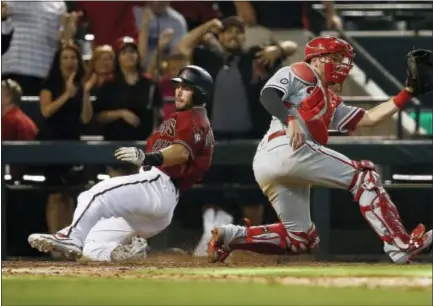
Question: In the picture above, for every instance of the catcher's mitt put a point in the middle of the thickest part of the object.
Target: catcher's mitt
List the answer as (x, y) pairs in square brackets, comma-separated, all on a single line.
[(420, 71)]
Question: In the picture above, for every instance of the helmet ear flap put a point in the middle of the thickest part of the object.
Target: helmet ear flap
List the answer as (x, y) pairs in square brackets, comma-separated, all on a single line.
[(199, 97)]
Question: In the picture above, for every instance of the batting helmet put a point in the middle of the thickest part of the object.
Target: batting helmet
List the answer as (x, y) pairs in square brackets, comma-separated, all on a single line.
[(198, 79), (336, 71)]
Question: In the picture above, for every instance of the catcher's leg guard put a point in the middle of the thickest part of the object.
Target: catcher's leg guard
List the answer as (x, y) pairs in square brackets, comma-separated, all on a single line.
[(382, 214), (266, 239)]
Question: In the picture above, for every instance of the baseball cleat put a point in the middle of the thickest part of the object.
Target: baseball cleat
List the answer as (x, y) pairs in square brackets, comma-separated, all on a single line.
[(216, 250), (68, 246), (135, 250), (419, 241)]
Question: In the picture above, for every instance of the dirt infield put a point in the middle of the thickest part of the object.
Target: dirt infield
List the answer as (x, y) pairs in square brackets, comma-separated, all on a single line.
[(156, 266)]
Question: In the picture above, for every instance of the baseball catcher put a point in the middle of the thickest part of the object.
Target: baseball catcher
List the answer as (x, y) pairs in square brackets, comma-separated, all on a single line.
[(293, 155)]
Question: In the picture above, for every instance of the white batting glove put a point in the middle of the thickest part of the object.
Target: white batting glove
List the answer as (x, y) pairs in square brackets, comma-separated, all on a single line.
[(131, 155)]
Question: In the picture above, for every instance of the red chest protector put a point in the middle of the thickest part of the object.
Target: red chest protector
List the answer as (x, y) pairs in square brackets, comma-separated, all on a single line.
[(318, 108), (317, 111)]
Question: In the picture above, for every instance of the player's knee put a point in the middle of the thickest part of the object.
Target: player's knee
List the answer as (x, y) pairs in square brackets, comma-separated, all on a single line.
[(366, 178)]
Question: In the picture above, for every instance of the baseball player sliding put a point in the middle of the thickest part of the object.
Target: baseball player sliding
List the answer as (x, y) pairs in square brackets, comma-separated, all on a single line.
[(292, 156), (177, 155)]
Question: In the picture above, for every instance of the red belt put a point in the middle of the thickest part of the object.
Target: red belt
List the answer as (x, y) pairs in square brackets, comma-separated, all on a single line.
[(277, 134), (280, 132)]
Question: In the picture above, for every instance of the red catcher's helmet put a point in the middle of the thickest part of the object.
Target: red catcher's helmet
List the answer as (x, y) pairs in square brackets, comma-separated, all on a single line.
[(336, 71)]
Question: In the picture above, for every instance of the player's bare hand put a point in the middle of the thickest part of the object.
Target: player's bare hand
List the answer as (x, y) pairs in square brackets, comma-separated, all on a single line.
[(297, 137), (130, 118), (130, 155)]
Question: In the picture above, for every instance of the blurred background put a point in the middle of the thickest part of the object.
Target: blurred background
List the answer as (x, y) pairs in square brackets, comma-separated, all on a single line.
[(80, 78)]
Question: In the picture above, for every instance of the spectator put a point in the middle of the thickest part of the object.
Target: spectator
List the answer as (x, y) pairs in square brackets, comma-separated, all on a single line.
[(16, 125), (127, 105), (109, 20), (153, 19), (100, 68), (278, 21), (65, 106), (7, 29), (196, 12), (35, 40)]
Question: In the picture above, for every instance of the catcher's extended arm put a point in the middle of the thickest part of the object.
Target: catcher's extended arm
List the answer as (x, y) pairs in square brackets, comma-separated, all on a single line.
[(420, 71)]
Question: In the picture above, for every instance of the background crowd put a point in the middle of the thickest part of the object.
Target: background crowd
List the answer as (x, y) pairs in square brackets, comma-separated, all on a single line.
[(133, 49)]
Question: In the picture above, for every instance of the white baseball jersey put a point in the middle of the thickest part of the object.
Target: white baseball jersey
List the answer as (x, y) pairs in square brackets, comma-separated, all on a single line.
[(298, 89)]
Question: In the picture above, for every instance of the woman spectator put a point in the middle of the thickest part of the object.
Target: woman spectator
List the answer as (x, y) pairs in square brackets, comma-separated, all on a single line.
[(65, 106), (127, 106), (100, 68)]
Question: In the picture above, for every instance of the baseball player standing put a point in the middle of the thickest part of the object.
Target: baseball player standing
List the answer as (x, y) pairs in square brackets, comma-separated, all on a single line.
[(292, 156), (177, 155)]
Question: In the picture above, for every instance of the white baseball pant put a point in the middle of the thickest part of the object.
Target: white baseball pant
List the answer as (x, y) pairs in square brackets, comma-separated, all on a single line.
[(286, 176), (141, 203), (105, 236)]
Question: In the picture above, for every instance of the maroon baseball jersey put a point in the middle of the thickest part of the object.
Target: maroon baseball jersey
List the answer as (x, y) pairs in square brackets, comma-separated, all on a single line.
[(190, 128)]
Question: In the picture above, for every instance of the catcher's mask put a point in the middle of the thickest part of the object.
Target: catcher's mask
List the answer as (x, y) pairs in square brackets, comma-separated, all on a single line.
[(199, 80), (335, 53)]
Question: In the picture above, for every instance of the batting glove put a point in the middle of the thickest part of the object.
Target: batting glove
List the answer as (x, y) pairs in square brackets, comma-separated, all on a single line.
[(131, 155)]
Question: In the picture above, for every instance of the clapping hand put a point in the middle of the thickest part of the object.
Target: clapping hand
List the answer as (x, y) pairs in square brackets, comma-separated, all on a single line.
[(71, 89)]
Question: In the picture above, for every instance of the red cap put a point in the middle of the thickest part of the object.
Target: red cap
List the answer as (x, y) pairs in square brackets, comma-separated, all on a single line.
[(125, 41)]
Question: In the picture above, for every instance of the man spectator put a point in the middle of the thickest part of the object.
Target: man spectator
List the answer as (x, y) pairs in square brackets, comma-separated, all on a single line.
[(36, 37), (16, 125), (276, 20), (7, 29), (153, 19), (109, 20)]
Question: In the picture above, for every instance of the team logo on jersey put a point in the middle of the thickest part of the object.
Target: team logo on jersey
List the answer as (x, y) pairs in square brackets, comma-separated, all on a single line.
[(284, 81), (168, 127), (197, 137)]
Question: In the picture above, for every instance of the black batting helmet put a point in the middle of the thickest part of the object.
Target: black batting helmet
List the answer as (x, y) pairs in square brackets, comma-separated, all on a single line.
[(197, 78)]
